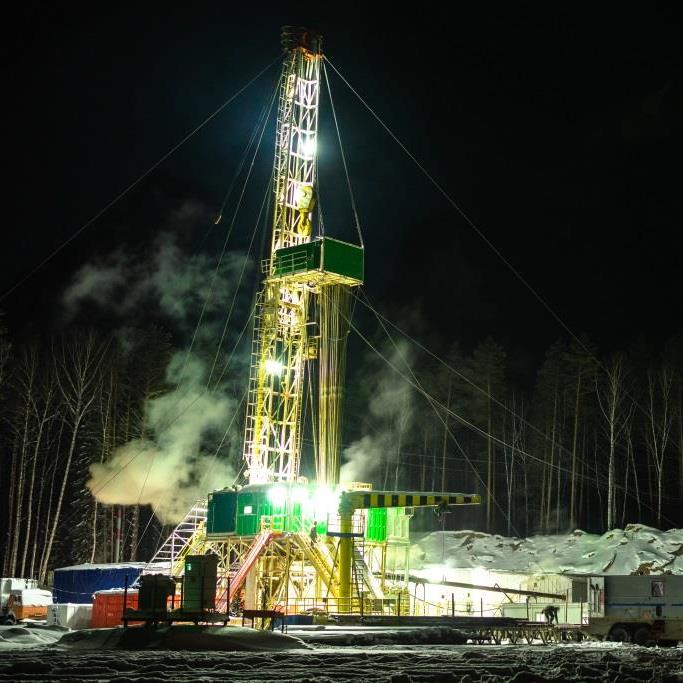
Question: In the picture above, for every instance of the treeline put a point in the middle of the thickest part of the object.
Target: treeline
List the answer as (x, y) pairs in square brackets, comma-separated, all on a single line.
[(66, 403), (595, 443)]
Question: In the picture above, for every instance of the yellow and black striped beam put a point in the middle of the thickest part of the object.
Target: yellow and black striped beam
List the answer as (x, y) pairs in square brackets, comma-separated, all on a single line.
[(358, 500)]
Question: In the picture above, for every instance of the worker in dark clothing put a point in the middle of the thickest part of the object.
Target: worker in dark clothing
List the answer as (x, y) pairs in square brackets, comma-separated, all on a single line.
[(313, 533), (550, 613)]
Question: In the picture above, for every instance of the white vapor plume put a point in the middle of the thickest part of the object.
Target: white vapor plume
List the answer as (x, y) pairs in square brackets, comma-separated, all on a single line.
[(173, 467), (173, 282), (173, 462), (390, 412)]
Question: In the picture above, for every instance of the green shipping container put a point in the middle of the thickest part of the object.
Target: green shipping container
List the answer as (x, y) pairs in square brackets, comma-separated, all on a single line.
[(222, 512), (324, 254)]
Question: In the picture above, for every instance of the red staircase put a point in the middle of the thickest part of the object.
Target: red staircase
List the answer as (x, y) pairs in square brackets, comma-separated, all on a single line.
[(237, 580)]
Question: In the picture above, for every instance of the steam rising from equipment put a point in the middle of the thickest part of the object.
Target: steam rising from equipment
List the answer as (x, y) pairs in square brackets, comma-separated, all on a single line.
[(173, 464), (390, 413), (170, 470)]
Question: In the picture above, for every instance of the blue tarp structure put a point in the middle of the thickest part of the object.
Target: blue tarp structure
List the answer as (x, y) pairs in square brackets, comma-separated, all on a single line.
[(78, 583)]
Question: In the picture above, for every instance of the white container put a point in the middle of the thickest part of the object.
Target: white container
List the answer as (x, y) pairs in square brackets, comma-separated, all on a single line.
[(69, 614)]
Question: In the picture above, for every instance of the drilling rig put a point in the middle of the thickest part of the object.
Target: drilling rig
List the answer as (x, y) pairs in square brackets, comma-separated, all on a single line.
[(281, 540)]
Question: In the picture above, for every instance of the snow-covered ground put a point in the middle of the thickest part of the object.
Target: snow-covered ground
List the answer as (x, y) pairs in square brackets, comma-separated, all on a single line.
[(635, 549), (398, 654), (385, 662)]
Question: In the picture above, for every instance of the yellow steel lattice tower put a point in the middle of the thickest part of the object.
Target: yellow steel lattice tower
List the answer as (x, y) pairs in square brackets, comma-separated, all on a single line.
[(302, 310), (273, 425)]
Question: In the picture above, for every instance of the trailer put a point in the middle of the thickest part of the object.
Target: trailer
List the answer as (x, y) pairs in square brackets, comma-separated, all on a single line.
[(645, 610)]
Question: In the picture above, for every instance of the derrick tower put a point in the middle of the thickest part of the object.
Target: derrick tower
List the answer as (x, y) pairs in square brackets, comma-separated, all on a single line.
[(301, 309), (280, 540)]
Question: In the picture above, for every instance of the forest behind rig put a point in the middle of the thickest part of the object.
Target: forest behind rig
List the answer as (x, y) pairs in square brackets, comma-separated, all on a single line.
[(595, 443)]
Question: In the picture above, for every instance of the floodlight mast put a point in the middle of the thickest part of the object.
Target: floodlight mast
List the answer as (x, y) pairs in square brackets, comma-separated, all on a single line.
[(272, 443)]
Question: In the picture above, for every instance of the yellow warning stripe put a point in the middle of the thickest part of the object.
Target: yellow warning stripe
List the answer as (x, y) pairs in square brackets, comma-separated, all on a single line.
[(389, 499)]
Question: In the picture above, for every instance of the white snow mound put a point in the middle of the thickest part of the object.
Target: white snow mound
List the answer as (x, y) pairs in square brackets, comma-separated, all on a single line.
[(637, 549), (181, 637), (20, 637)]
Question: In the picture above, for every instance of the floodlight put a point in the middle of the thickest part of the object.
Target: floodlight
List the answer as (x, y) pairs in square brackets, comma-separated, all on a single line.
[(273, 367), (308, 147)]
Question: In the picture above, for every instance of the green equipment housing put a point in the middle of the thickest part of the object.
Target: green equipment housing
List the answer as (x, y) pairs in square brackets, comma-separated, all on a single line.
[(252, 509), (335, 260), (199, 583), (388, 524)]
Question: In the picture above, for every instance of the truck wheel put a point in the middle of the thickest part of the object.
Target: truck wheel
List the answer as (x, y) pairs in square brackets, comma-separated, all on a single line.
[(642, 635), (619, 634), (10, 619)]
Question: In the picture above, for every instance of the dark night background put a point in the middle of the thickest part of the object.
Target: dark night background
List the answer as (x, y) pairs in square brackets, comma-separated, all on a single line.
[(557, 131)]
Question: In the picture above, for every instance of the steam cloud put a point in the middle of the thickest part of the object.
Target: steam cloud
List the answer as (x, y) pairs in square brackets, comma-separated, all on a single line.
[(390, 411), (174, 465), (171, 469), (174, 283)]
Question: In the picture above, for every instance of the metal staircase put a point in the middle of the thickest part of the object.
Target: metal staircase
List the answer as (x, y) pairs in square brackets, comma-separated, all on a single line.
[(318, 554), (363, 573), (257, 547), (183, 539)]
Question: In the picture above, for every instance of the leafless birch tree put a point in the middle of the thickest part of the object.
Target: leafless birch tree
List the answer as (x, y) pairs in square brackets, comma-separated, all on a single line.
[(617, 409)]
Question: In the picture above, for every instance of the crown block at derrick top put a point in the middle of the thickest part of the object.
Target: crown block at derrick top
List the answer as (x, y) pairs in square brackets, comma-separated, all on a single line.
[(325, 255)]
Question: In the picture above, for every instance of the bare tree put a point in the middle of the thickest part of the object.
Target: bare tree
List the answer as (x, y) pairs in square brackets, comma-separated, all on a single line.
[(77, 363), (5, 353), (57, 448), (42, 409), (26, 378), (106, 401), (512, 452), (660, 418), (581, 366), (617, 409)]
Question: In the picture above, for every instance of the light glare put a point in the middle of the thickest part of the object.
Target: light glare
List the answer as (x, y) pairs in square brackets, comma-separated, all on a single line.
[(273, 367), (308, 147), (277, 496)]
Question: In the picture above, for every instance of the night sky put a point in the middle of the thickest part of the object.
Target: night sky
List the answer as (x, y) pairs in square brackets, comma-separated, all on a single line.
[(557, 131)]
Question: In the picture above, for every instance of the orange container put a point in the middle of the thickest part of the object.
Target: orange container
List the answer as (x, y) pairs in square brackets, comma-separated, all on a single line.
[(108, 607)]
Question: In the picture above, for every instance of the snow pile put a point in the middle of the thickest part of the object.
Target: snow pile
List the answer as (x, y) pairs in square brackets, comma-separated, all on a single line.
[(637, 549), (19, 637), (181, 637)]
